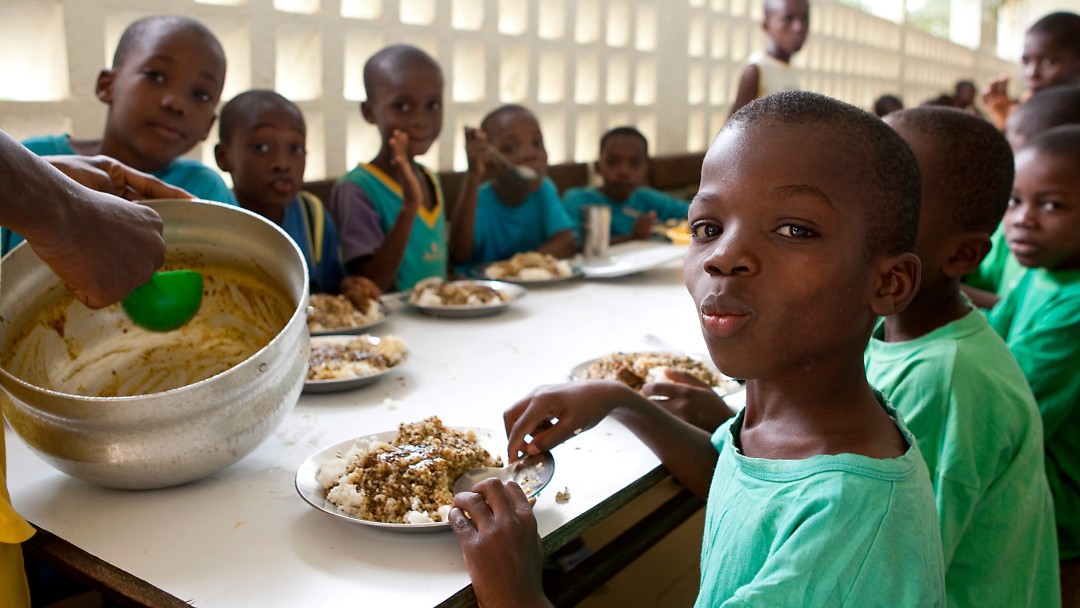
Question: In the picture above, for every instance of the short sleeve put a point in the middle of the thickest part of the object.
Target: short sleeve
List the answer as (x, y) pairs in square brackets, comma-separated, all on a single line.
[(554, 213), (359, 230)]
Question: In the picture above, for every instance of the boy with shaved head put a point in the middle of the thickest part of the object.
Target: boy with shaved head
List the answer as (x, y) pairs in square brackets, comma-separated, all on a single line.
[(787, 23)]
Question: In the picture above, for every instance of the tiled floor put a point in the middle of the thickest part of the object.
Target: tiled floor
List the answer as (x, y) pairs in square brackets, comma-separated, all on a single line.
[(665, 575)]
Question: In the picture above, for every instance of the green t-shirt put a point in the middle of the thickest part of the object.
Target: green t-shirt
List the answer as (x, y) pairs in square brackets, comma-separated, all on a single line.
[(843, 530), (965, 399), (999, 271), (1040, 321)]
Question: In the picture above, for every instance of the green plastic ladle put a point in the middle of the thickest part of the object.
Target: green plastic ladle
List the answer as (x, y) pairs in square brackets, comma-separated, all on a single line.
[(167, 301)]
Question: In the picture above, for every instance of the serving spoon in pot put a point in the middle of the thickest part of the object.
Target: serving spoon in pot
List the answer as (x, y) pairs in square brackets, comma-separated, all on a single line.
[(167, 301), (532, 473)]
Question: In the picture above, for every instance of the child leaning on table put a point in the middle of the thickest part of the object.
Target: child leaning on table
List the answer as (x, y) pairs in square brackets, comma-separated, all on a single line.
[(1040, 318), (817, 496), (635, 207), (262, 139), (509, 214), (957, 386), (162, 91), (787, 23), (390, 212)]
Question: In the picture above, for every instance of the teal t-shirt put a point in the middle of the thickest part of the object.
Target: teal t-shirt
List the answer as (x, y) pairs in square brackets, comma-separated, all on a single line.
[(643, 200), (366, 202), (965, 399), (325, 269), (841, 530), (191, 175), (1040, 321), (999, 271), (500, 231)]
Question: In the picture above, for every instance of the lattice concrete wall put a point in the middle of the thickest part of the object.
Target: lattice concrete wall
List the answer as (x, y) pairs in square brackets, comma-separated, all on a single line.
[(668, 66)]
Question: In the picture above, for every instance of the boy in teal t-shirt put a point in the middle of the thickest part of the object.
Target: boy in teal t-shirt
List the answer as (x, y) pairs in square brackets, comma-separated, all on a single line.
[(635, 207), (154, 118), (817, 494), (1040, 318), (389, 212), (955, 382), (511, 213)]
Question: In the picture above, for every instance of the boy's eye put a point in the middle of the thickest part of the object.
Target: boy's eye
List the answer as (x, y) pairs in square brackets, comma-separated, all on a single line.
[(261, 148), (795, 231), (704, 230), (154, 75), (297, 150), (403, 106), (204, 96), (1052, 205), (435, 105), (1014, 200)]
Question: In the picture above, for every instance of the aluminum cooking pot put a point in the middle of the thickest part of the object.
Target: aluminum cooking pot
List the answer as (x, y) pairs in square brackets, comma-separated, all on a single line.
[(116, 405)]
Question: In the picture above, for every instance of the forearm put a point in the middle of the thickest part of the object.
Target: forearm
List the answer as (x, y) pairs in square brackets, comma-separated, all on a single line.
[(685, 451), (561, 245), (26, 181), (382, 266), (464, 219)]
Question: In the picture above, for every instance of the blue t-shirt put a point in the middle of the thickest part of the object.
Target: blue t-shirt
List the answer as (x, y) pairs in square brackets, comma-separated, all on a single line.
[(191, 175), (500, 231), (643, 200), (327, 272)]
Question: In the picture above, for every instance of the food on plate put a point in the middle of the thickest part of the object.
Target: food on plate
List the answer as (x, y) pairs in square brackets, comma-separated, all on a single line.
[(436, 292), (360, 356), (678, 231), (405, 481), (340, 312), (637, 369), (530, 266)]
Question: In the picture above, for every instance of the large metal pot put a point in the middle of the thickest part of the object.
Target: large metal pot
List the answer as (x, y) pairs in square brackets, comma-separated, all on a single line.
[(170, 428)]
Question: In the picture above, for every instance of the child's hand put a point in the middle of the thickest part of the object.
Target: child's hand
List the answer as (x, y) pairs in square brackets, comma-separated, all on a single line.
[(412, 193), (359, 289), (688, 398), (105, 174), (476, 150), (995, 96), (578, 406), (500, 544), (643, 226)]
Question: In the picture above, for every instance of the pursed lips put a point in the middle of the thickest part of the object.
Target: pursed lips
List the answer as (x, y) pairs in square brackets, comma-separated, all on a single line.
[(724, 316)]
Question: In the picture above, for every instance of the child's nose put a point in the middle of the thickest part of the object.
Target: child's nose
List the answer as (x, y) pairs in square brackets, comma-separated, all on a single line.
[(729, 255), (173, 102), (1022, 215)]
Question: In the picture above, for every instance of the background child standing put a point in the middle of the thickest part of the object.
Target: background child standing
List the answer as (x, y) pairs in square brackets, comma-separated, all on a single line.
[(635, 207), (390, 212), (162, 91), (509, 214), (802, 227), (787, 23)]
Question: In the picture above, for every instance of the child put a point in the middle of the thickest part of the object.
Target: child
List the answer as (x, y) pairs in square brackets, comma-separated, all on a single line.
[(817, 496), (509, 214), (1051, 57), (999, 271), (390, 211), (1040, 318), (887, 104), (162, 92), (956, 384), (623, 165), (262, 137), (787, 23)]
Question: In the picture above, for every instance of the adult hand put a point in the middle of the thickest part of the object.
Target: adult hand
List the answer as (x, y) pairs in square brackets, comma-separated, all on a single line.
[(688, 398), (412, 194), (577, 406), (105, 174), (500, 544)]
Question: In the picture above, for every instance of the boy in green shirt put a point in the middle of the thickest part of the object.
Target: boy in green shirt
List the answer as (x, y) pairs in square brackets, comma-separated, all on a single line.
[(817, 496), (1040, 318), (953, 379)]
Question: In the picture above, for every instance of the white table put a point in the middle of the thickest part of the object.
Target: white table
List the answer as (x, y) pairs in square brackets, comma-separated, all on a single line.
[(243, 537)]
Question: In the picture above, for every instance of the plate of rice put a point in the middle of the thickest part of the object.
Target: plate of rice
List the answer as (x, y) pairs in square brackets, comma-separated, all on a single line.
[(636, 369), (532, 268), (463, 299), (340, 363), (337, 314), (397, 480)]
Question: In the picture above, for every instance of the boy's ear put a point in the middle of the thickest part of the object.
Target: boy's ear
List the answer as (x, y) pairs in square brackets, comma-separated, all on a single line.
[(365, 111), (103, 89), (897, 281), (222, 158), (967, 251)]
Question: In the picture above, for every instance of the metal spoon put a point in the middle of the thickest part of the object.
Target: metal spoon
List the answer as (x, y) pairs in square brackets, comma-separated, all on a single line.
[(525, 174), (532, 473), (167, 301)]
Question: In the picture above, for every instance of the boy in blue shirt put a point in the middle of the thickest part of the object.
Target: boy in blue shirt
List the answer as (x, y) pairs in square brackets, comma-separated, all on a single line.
[(817, 496), (1040, 318), (162, 91), (262, 144), (390, 211), (635, 207), (508, 214), (957, 385)]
